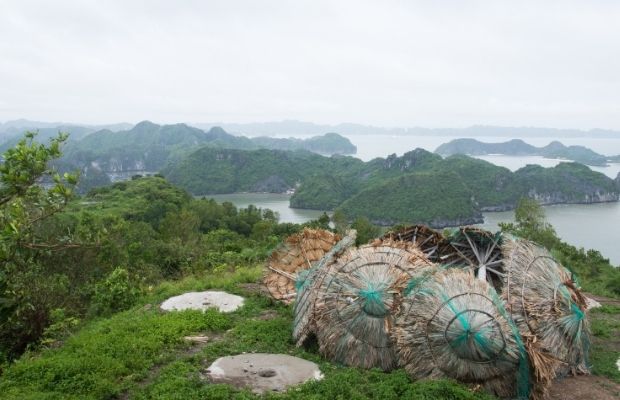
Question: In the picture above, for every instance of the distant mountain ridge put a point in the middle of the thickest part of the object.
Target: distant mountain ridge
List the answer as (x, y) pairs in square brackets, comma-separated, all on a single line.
[(12, 131), (148, 146), (325, 143), (517, 147), (107, 154), (21, 124), (296, 128)]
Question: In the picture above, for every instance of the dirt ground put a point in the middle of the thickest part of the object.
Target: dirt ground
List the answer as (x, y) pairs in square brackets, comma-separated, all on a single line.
[(584, 387)]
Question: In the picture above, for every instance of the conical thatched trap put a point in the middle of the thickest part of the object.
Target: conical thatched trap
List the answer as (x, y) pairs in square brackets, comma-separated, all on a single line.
[(298, 253), (454, 325), (357, 300), (306, 285), (549, 310)]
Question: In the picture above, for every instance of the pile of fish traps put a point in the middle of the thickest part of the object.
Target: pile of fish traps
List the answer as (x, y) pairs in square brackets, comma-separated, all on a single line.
[(487, 309)]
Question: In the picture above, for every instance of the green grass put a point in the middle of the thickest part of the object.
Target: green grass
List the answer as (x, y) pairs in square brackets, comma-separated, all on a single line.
[(107, 356), (605, 326), (140, 354)]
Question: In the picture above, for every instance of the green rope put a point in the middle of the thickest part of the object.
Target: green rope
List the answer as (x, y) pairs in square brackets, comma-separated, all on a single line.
[(573, 323), (524, 385), (302, 280), (373, 300), (460, 316), (468, 336), (416, 285)]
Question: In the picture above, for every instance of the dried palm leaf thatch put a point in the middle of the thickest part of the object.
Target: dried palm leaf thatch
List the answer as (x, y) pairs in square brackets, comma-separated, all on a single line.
[(306, 286), (478, 249), (357, 300), (549, 310), (454, 325), (429, 241), (297, 253)]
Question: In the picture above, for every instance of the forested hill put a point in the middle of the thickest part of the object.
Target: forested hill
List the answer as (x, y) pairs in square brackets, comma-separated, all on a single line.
[(517, 147), (148, 146), (212, 170), (418, 187)]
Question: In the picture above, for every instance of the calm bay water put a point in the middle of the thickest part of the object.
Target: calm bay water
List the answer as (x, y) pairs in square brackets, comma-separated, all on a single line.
[(274, 201), (593, 226)]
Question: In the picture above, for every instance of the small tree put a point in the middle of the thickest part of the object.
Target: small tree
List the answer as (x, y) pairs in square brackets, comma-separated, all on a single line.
[(30, 192), (530, 223), (365, 230), (340, 221)]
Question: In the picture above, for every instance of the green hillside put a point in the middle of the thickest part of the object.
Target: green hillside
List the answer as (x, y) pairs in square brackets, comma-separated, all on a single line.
[(326, 183), (148, 146), (436, 198)]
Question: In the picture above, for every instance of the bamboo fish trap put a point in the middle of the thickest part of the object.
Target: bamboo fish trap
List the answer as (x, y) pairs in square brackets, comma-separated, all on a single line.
[(479, 250), (298, 253), (454, 325), (465, 247), (429, 241), (306, 285), (357, 300), (549, 310)]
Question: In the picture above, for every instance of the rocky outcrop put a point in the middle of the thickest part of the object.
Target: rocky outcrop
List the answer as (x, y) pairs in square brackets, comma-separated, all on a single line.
[(445, 223), (596, 196), (498, 208), (271, 184), (408, 161), (117, 165)]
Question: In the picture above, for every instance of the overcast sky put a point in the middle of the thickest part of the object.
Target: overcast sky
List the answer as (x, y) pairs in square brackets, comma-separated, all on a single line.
[(386, 63)]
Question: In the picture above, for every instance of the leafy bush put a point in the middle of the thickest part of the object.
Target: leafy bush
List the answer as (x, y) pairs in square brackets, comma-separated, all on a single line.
[(365, 230), (61, 326), (115, 293)]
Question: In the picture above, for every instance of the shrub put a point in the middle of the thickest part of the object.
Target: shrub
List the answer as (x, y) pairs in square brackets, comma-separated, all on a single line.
[(115, 293)]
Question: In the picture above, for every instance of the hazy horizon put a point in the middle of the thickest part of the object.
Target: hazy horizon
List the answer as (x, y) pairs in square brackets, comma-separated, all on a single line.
[(385, 64), (38, 123)]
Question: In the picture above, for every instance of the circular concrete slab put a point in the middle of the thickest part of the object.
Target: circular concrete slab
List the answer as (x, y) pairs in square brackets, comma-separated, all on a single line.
[(591, 303), (263, 372), (224, 302)]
